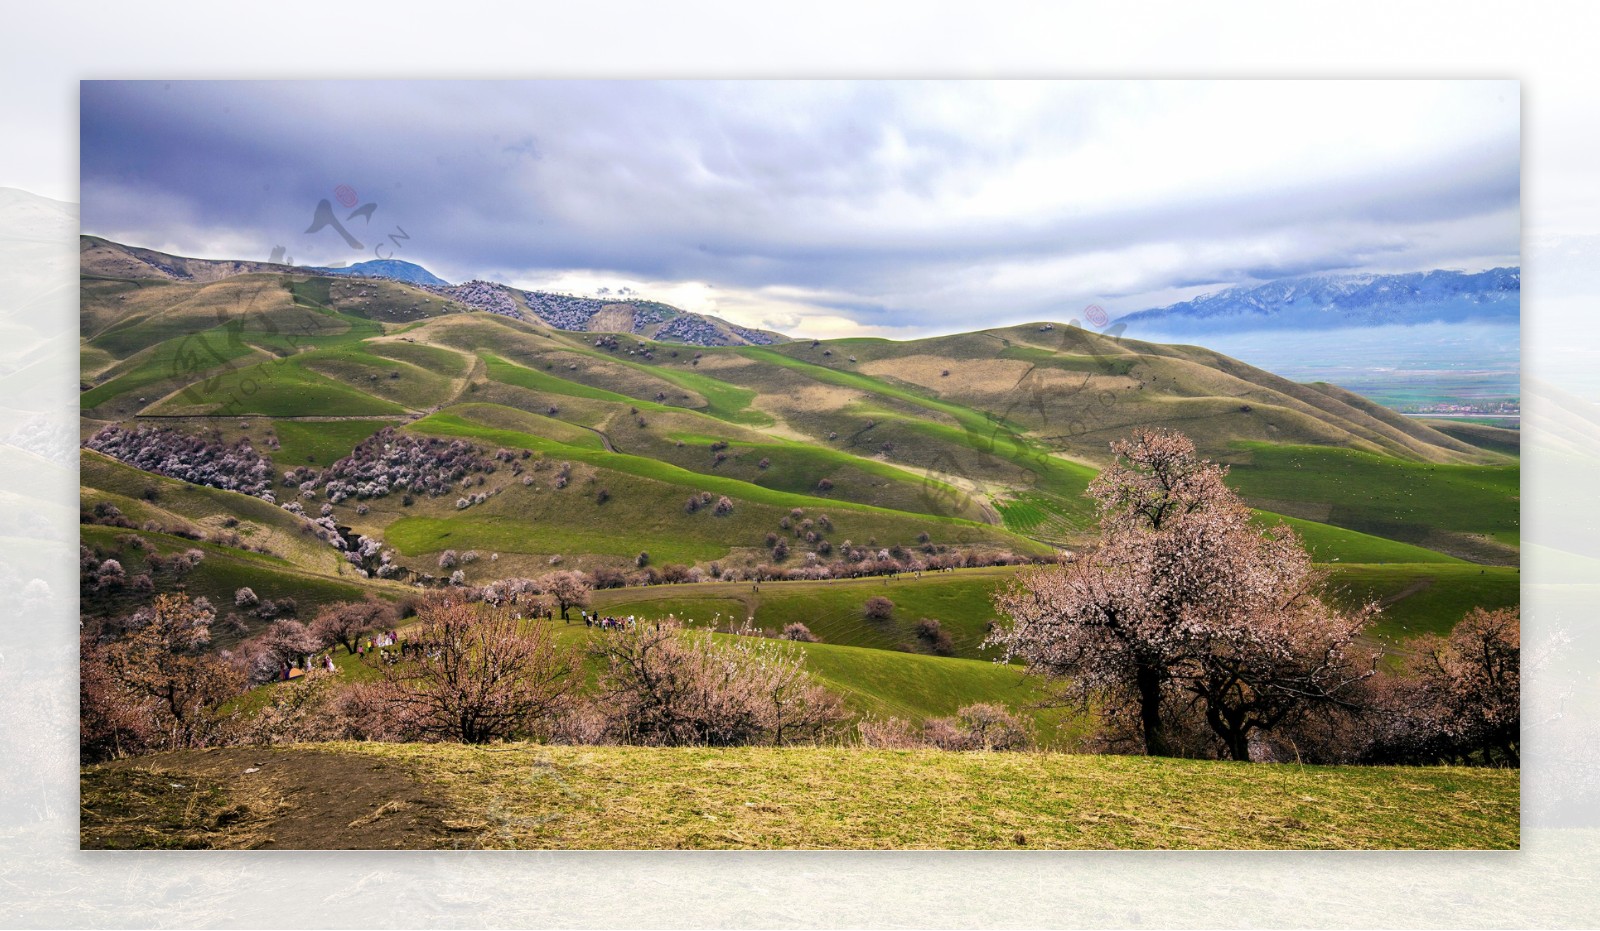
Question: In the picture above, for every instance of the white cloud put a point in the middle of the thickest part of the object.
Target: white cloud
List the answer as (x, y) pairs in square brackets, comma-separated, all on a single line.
[(880, 206)]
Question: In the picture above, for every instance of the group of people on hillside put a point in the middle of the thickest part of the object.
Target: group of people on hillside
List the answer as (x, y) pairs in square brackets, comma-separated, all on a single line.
[(379, 641), (294, 669), (608, 622)]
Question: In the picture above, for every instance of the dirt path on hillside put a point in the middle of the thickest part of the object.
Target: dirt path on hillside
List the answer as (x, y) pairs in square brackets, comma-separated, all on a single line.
[(1420, 585), (1397, 649), (605, 440), (458, 386), (261, 798)]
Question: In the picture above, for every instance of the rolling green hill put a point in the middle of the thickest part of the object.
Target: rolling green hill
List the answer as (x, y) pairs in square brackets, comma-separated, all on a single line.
[(1416, 598), (922, 471), (617, 452)]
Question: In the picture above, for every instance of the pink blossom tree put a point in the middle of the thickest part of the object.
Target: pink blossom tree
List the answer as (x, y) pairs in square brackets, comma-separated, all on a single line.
[(477, 675), (569, 587), (664, 685), (1185, 599)]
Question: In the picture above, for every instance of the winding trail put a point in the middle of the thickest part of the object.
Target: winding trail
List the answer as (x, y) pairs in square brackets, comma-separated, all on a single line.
[(604, 439), (1419, 585)]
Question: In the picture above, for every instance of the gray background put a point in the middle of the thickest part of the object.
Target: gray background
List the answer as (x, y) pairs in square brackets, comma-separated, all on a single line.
[(46, 882)]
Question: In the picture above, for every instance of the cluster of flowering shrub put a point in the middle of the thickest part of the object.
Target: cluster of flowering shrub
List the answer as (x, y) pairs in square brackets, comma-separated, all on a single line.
[(392, 461), (479, 295), (473, 673), (695, 331), (864, 563), (825, 560), (812, 568), (753, 336), (231, 466), (129, 569), (467, 501), (369, 556), (265, 608), (982, 727), (562, 311)]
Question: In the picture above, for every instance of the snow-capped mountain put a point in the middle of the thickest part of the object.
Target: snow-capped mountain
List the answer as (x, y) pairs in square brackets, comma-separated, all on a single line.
[(1333, 301)]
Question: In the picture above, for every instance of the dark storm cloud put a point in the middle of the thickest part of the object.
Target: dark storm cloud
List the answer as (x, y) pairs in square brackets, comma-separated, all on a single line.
[(909, 206)]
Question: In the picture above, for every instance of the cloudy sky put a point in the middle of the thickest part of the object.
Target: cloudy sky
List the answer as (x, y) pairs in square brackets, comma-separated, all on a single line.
[(827, 208)]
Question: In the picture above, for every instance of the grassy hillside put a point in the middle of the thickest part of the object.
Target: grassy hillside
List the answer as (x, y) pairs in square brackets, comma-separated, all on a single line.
[(959, 600), (883, 667), (532, 797), (616, 452), (1468, 511), (283, 560), (1428, 599), (222, 572), (1416, 598), (1329, 544), (1482, 435), (175, 504), (873, 683), (978, 441)]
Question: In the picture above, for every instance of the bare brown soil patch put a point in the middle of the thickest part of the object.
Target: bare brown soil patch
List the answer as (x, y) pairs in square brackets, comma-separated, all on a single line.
[(259, 798)]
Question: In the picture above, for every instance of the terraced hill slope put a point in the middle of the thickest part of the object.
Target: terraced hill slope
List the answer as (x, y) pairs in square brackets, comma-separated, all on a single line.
[(648, 458)]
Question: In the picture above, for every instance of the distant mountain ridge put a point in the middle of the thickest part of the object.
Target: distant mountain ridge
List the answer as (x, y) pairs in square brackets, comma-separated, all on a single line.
[(566, 311), (1333, 301), (409, 272), (106, 259), (103, 258)]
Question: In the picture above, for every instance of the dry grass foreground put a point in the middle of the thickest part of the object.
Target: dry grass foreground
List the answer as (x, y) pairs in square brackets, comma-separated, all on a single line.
[(371, 796)]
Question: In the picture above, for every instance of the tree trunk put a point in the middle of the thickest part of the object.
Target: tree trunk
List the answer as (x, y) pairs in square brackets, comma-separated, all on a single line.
[(1239, 746), (1234, 734), (1148, 680)]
